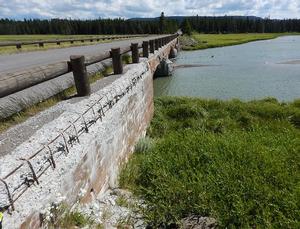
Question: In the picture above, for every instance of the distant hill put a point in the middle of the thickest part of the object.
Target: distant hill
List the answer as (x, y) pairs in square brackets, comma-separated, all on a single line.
[(181, 18)]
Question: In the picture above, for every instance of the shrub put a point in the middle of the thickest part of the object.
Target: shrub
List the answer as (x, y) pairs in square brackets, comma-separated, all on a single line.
[(143, 145)]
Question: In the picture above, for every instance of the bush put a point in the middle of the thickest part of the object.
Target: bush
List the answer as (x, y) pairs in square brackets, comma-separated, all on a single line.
[(143, 145)]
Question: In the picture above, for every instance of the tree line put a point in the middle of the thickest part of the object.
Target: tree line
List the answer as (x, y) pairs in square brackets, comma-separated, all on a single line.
[(98, 26), (225, 24), (228, 24)]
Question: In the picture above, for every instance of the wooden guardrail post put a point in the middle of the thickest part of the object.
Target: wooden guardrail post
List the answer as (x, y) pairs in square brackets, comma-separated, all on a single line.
[(156, 44), (72, 42), (117, 60), (18, 46), (58, 43), (145, 49), (151, 42), (135, 52), (41, 44), (80, 75)]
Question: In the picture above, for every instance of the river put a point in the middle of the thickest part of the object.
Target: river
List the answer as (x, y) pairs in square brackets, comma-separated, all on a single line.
[(255, 70)]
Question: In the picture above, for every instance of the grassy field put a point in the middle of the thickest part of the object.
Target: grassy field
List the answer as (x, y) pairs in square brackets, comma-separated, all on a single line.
[(204, 41), (26, 48), (238, 162), (5, 38)]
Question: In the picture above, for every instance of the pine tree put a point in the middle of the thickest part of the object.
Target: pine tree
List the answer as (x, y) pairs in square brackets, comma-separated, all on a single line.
[(186, 27), (162, 23)]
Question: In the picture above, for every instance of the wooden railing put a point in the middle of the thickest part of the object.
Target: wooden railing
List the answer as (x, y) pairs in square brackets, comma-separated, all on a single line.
[(41, 43), (14, 82)]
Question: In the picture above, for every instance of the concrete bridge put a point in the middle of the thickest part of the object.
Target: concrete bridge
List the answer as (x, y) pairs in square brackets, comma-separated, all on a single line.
[(77, 154)]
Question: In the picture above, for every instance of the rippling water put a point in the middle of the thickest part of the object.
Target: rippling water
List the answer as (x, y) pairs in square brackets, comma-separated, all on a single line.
[(250, 71)]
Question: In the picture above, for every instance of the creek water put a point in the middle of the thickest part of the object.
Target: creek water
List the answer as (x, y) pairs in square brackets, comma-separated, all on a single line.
[(255, 70)]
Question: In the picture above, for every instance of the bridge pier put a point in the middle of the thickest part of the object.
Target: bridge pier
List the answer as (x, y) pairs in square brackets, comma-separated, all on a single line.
[(164, 68), (173, 53)]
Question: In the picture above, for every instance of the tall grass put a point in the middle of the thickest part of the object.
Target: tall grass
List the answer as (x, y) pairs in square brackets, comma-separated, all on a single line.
[(234, 161), (219, 40)]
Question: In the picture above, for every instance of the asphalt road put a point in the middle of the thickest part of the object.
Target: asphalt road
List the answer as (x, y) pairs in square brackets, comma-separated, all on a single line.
[(15, 62)]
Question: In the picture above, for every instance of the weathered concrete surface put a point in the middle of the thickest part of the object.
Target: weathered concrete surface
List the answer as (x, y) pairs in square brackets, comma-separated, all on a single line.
[(165, 68), (15, 136), (92, 165)]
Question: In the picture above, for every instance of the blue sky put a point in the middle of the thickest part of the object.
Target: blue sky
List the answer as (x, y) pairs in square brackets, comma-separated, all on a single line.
[(87, 9)]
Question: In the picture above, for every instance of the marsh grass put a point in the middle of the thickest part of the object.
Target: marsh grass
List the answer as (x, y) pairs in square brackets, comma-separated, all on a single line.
[(238, 162), (219, 40)]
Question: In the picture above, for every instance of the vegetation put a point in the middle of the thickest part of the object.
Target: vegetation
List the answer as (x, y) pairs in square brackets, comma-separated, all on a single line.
[(162, 23), (204, 41), (61, 216), (26, 48), (97, 26), (239, 24), (143, 145), (186, 27), (39, 37), (225, 24), (238, 162)]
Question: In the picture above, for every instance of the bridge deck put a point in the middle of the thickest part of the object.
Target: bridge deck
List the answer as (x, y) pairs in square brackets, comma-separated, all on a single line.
[(16, 62)]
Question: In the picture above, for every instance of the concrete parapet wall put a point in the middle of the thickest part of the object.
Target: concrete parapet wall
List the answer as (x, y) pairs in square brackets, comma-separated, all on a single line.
[(92, 164)]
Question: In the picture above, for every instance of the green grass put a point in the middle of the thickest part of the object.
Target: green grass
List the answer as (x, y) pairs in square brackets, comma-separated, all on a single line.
[(26, 48), (4, 38), (219, 40), (238, 162), (61, 216)]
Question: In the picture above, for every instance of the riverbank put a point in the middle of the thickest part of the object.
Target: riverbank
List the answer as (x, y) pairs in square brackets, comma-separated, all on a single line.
[(237, 162), (204, 41)]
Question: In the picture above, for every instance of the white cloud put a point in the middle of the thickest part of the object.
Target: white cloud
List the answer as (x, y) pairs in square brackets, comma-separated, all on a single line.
[(20, 9)]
